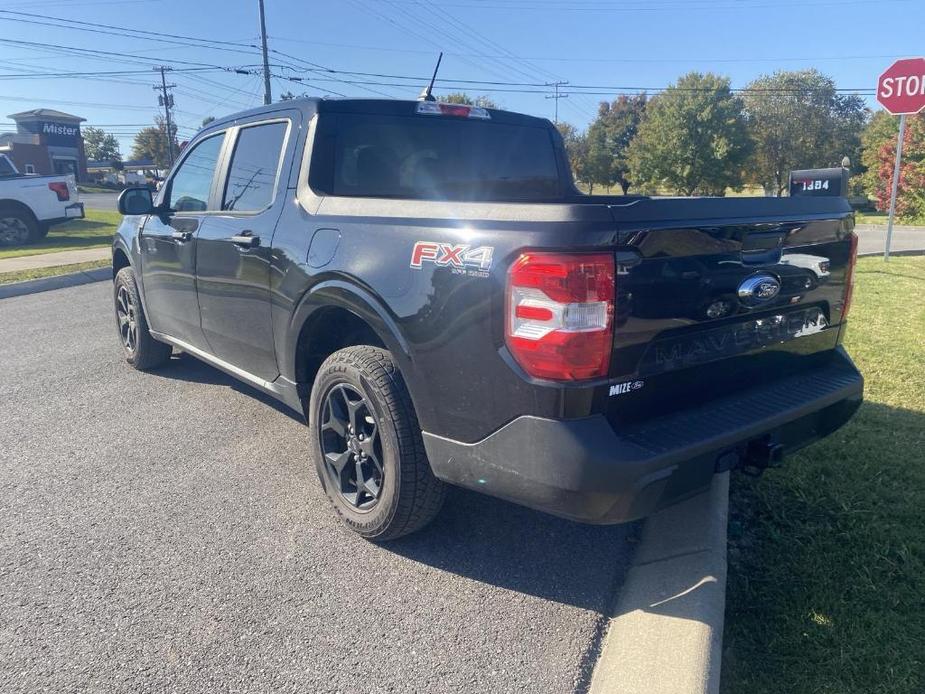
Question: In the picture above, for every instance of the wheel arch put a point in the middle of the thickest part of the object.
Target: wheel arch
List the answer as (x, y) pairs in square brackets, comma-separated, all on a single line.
[(331, 316), (335, 311), (11, 204), (120, 259)]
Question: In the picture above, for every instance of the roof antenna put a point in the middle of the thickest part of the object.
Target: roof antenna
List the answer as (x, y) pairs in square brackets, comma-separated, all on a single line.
[(427, 94)]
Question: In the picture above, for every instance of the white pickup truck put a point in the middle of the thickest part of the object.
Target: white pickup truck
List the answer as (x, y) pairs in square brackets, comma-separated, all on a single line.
[(30, 204)]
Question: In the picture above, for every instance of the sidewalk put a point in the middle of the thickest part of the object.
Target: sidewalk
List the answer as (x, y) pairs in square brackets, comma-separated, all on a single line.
[(35, 262)]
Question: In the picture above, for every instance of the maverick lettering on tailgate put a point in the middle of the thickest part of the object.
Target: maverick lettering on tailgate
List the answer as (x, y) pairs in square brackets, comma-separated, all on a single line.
[(730, 340)]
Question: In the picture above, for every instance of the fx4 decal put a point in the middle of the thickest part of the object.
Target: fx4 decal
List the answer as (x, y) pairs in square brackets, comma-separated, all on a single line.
[(461, 258)]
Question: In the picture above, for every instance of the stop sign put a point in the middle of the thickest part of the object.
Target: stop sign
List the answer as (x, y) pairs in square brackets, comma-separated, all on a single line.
[(901, 88)]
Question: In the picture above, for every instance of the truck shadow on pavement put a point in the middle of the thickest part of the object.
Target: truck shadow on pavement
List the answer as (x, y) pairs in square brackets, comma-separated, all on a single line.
[(183, 367), (512, 547), (487, 539)]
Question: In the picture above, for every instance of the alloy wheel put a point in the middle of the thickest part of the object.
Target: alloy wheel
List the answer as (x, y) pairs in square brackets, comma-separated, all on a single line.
[(351, 446), (127, 319)]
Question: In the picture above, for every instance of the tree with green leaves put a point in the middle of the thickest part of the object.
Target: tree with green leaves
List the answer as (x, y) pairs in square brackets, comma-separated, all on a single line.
[(798, 120), (466, 100), (152, 143), (100, 145), (609, 137), (576, 146), (207, 120), (692, 139)]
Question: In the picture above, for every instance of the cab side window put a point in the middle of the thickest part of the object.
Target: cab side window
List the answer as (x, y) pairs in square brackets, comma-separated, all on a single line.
[(254, 167), (192, 183)]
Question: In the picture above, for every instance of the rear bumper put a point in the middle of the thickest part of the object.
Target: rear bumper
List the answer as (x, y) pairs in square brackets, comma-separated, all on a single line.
[(73, 211), (584, 470)]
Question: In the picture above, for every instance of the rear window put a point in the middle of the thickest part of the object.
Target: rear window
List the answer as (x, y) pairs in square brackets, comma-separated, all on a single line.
[(434, 158), (6, 169)]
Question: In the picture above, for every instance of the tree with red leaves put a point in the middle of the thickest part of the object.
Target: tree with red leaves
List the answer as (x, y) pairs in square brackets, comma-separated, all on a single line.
[(910, 197)]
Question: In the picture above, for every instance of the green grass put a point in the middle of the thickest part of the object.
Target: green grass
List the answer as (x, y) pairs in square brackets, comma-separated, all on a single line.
[(883, 218), (96, 230), (23, 275), (870, 217), (97, 189), (826, 591)]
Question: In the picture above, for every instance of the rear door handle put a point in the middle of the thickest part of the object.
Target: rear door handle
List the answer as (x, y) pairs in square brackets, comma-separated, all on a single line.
[(181, 235), (246, 239)]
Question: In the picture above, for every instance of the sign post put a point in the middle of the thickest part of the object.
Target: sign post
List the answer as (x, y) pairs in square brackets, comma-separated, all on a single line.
[(901, 91), (899, 156)]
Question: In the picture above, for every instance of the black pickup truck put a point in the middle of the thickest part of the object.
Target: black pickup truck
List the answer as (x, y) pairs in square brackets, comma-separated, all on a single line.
[(426, 285)]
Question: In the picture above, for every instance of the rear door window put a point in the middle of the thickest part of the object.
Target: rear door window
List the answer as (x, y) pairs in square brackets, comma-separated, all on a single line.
[(435, 158), (254, 167)]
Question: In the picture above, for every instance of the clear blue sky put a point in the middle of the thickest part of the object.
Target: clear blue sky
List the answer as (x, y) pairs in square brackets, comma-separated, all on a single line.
[(608, 43)]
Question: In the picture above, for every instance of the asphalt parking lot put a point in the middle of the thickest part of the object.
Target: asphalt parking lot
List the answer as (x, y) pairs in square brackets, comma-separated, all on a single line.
[(166, 532)]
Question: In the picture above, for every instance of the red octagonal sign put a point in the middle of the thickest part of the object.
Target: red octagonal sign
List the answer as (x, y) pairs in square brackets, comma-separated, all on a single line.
[(901, 88)]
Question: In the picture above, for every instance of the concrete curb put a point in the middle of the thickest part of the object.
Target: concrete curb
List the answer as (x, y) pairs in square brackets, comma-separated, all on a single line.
[(44, 284), (666, 634)]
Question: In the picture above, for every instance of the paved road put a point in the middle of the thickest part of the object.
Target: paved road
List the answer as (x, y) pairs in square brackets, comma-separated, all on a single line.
[(100, 201), (872, 238), (164, 532)]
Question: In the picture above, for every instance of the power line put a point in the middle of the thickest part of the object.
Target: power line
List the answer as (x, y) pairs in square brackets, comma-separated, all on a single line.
[(317, 67), (96, 52), (456, 82), (96, 27), (533, 70), (573, 59), (100, 73), (538, 5), (63, 102)]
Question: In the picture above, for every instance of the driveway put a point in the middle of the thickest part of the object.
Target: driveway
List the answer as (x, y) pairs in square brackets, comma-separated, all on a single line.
[(166, 532), (100, 201), (872, 238)]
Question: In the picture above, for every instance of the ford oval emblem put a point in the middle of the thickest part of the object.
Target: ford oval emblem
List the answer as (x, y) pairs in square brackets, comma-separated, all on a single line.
[(758, 289)]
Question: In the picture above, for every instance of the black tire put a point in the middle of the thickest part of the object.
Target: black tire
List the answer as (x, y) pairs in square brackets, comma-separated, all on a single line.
[(141, 350), (17, 227), (41, 231), (409, 496)]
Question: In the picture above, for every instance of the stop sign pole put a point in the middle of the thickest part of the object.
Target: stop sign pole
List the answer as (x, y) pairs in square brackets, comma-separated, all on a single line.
[(899, 156), (901, 91)]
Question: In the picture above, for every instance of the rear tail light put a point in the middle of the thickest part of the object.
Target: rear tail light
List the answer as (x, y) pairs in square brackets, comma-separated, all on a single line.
[(849, 274), (433, 108), (60, 189), (559, 317)]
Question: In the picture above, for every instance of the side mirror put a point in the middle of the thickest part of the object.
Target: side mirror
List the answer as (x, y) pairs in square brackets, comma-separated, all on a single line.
[(136, 201)]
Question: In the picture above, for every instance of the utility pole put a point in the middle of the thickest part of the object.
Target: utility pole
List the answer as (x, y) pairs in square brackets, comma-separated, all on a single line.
[(166, 100), (267, 97), (557, 96)]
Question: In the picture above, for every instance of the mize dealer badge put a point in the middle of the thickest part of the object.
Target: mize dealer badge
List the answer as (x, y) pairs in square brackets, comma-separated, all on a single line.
[(624, 388)]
